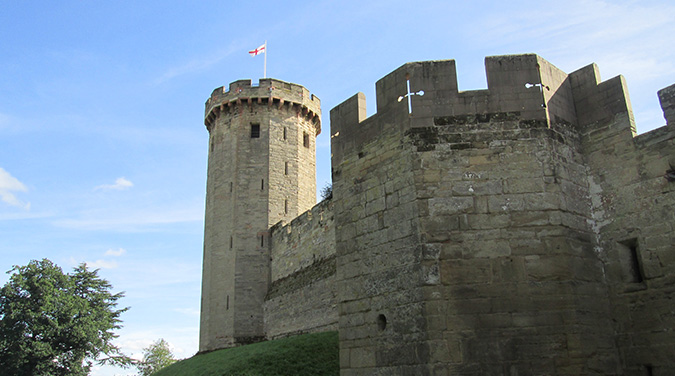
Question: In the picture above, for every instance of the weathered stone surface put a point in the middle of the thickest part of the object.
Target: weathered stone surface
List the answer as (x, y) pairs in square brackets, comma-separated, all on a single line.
[(261, 170), (516, 230)]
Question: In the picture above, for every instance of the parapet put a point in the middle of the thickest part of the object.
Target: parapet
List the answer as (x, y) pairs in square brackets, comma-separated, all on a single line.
[(598, 101), (525, 86), (270, 92)]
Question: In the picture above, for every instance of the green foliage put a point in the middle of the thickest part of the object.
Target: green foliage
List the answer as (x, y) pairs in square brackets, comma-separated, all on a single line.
[(304, 355), (327, 192), (53, 323), (155, 357)]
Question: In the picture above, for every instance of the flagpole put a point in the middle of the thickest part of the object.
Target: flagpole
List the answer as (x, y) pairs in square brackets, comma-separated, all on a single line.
[(265, 69)]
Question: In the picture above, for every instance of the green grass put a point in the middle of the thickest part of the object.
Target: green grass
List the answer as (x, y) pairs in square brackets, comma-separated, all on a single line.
[(307, 354)]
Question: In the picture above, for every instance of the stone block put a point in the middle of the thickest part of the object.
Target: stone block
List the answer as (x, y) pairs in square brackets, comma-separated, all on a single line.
[(466, 271), (362, 357)]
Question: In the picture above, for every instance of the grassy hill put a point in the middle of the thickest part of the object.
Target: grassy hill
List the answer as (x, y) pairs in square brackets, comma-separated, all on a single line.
[(307, 354)]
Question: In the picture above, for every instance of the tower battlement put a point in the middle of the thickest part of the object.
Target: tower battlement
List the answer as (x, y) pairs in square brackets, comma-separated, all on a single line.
[(269, 92)]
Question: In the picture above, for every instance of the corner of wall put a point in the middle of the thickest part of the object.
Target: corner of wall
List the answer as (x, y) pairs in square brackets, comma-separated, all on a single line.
[(598, 103), (345, 120), (667, 99)]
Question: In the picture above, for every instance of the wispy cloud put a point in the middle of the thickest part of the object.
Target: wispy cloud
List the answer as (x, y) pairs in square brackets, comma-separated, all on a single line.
[(25, 215), (179, 338), (187, 311), (197, 64), (574, 31), (8, 185), (115, 252), (134, 221), (120, 184)]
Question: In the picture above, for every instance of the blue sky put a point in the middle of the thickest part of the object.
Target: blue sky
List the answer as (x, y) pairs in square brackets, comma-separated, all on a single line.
[(102, 143)]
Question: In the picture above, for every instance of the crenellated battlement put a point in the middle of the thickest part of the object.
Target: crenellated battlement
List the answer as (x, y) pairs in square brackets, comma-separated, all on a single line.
[(516, 83), (269, 92), (525, 86)]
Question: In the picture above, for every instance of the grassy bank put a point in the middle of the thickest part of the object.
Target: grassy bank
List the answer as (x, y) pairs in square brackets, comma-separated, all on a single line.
[(307, 354)]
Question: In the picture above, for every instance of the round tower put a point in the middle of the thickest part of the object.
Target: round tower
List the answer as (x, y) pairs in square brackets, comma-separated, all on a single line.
[(261, 170)]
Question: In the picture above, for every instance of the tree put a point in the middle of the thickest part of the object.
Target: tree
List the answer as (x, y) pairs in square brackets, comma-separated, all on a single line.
[(155, 357), (53, 323), (327, 192)]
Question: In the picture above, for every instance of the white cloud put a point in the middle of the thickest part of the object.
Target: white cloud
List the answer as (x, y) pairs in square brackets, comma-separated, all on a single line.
[(8, 185), (24, 215), (115, 252), (101, 264), (198, 64), (187, 311), (135, 220), (120, 184)]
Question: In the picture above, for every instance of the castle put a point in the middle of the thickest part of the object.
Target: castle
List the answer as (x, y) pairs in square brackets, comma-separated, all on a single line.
[(524, 229)]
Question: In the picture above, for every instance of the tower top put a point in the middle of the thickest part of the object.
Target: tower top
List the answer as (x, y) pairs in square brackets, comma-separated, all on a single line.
[(270, 92)]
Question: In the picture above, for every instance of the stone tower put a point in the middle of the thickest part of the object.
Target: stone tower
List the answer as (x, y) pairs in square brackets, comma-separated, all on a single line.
[(261, 170)]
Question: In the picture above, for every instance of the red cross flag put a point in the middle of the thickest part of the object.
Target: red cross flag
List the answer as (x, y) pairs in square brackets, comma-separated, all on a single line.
[(257, 51)]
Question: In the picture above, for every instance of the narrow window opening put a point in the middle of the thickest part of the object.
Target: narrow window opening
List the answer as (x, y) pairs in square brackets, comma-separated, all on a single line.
[(230, 242), (262, 184), (381, 322), (231, 186), (262, 240), (284, 133), (649, 370), (227, 303), (285, 168), (629, 257), (255, 130), (286, 206), (305, 139)]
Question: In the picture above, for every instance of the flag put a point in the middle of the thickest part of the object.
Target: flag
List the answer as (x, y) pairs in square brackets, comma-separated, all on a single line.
[(257, 51)]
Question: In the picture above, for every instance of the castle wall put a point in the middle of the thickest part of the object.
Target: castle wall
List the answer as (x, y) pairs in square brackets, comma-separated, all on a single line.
[(381, 323), (633, 210), (490, 266), (523, 229), (302, 293), (509, 259), (307, 239)]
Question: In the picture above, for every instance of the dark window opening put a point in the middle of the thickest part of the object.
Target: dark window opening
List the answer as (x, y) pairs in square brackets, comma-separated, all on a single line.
[(262, 184), (285, 168), (305, 139), (231, 186), (230, 242), (284, 133), (255, 130), (649, 370), (629, 258), (286, 206), (262, 240), (227, 303), (381, 322)]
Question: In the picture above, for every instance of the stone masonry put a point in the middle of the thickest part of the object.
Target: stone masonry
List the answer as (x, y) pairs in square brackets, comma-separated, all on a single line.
[(261, 170), (524, 229)]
